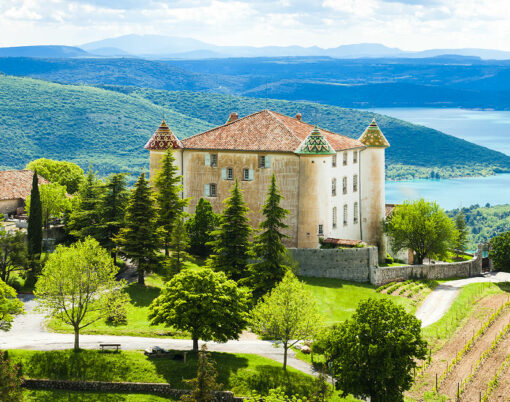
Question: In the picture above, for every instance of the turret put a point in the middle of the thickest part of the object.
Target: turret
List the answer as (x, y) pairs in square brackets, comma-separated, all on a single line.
[(314, 186), (162, 139), (372, 175)]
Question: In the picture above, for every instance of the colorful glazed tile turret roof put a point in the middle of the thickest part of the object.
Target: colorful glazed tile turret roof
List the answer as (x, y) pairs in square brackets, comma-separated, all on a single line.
[(373, 136), (162, 139), (315, 144), (264, 131)]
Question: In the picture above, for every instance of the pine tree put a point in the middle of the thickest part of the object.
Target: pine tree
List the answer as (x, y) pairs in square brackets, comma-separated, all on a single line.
[(231, 244), (113, 209), (179, 243), (168, 197), (268, 247), (85, 219), (200, 226), (34, 230), (460, 224), (139, 240), (204, 386)]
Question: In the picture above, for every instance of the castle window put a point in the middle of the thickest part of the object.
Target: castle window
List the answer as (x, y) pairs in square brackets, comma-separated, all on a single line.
[(264, 161), (334, 217), (320, 230), (210, 190), (211, 160), (345, 158), (355, 183), (345, 214), (227, 174), (247, 174), (333, 187), (344, 185), (333, 160), (355, 157), (355, 219)]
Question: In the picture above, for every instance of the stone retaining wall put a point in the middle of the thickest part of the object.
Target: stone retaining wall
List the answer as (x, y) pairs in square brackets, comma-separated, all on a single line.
[(135, 387), (350, 264), (464, 269)]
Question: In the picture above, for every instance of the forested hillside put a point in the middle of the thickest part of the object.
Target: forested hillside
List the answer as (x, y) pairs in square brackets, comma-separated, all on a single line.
[(485, 222), (109, 128)]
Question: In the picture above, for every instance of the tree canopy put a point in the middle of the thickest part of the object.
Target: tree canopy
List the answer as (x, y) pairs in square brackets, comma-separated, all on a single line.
[(77, 284), (200, 226), (499, 251), (423, 227), (67, 174), (288, 314), (205, 303), (10, 306), (13, 253), (373, 353), (54, 202)]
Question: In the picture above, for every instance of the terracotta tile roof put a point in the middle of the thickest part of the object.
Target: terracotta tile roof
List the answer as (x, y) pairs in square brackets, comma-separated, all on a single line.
[(373, 136), (342, 242), (163, 138), (15, 184), (264, 131)]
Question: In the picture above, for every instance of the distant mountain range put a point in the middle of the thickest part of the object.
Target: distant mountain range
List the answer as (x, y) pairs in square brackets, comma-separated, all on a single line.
[(173, 47)]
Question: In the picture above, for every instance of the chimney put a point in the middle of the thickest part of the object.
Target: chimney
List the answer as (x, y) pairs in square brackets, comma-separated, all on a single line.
[(233, 117), (298, 116)]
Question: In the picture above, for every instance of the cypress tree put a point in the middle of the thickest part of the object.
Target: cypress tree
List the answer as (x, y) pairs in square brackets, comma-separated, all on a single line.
[(138, 239), (200, 226), (168, 197), (34, 231), (231, 244), (268, 245)]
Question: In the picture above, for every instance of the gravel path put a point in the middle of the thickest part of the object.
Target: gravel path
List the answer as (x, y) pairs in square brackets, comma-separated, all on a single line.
[(28, 333), (442, 297)]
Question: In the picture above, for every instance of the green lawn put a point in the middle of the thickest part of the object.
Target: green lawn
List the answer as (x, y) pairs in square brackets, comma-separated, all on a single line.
[(59, 395), (137, 312), (240, 373), (338, 299)]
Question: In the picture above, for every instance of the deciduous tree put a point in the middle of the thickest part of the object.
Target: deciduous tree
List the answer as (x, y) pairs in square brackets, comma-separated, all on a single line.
[(168, 197), (10, 306), (54, 202), (374, 353), (268, 247), (288, 314), (423, 227), (204, 303), (200, 226), (139, 240), (231, 244), (65, 173), (77, 283), (13, 253), (499, 251)]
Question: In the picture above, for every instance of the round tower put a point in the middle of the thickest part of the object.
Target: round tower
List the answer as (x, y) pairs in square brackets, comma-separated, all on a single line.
[(314, 184), (162, 139), (372, 180)]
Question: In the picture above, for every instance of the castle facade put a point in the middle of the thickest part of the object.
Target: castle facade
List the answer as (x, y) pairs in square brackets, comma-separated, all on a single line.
[(332, 185)]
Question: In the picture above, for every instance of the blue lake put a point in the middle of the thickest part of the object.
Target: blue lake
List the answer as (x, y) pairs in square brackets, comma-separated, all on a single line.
[(487, 128)]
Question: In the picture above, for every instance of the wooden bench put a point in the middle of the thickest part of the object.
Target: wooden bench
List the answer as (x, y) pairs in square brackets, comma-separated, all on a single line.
[(104, 346)]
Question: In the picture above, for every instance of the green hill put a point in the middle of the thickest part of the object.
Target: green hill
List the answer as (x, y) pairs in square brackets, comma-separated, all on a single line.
[(108, 128), (80, 124)]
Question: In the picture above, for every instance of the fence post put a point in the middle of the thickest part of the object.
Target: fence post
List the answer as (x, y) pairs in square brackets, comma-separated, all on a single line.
[(436, 382)]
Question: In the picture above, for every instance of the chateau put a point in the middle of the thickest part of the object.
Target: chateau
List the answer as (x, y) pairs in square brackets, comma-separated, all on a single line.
[(332, 185)]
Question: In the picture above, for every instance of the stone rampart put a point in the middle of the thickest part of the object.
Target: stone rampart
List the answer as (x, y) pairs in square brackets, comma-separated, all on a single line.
[(350, 264), (135, 387)]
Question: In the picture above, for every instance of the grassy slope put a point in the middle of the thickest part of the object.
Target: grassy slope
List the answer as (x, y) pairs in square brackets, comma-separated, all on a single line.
[(79, 123), (410, 144), (58, 395)]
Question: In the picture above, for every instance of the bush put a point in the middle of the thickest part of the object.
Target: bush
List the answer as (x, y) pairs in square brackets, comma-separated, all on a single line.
[(500, 252)]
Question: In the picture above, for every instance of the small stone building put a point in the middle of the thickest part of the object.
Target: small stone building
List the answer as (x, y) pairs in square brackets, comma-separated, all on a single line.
[(332, 185), (15, 187)]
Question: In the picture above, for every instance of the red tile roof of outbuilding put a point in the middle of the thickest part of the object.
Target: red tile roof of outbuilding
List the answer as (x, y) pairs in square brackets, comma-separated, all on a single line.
[(264, 131), (15, 184)]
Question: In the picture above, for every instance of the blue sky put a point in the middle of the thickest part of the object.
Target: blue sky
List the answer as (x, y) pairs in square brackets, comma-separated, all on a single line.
[(407, 24)]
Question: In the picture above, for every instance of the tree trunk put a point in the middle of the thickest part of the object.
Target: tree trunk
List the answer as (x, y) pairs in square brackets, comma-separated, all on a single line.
[(195, 344), (285, 348), (76, 339), (141, 277)]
